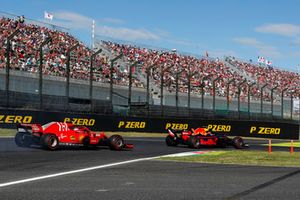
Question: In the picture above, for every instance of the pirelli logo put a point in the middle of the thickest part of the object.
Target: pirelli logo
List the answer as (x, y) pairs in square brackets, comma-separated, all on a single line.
[(80, 121), (177, 126), (264, 130), (132, 124), (219, 128), (13, 119)]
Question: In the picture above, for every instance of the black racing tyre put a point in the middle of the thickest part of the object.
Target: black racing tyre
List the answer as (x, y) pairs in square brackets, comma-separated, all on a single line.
[(170, 141), (238, 142), (21, 140), (50, 141), (194, 142), (116, 142)]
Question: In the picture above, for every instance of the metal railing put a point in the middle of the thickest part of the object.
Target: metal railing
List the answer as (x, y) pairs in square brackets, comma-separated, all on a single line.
[(39, 91)]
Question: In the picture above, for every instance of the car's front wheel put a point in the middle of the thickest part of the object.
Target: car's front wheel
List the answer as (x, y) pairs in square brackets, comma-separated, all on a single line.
[(116, 142), (238, 142), (194, 142), (170, 141)]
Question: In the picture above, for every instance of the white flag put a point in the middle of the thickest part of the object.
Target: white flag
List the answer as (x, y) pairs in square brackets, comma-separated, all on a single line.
[(48, 15)]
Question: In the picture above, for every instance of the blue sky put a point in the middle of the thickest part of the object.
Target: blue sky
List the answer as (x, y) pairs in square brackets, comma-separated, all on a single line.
[(242, 28)]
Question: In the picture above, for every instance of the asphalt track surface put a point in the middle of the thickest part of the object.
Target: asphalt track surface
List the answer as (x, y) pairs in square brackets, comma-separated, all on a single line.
[(143, 179)]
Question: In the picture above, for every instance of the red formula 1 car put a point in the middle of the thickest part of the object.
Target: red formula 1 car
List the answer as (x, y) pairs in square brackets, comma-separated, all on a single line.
[(200, 137), (54, 134)]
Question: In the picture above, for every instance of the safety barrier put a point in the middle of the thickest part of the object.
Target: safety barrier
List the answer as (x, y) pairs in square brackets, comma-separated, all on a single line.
[(263, 129)]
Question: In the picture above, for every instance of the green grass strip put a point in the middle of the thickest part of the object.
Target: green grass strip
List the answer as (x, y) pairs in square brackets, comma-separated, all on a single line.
[(8, 132), (244, 157)]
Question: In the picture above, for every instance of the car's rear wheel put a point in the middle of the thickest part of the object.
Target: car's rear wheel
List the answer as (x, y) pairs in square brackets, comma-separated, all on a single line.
[(195, 142), (50, 141), (116, 142), (238, 142), (170, 141), (22, 140)]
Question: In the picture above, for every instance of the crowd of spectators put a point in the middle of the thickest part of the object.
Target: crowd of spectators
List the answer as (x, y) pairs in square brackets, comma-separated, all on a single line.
[(200, 72), (273, 77), (24, 54)]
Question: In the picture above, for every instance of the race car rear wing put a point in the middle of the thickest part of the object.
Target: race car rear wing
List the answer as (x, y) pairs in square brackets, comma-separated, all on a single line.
[(29, 128)]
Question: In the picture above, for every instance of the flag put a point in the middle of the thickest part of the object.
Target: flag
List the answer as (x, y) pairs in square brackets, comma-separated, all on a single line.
[(206, 54), (268, 62), (261, 59), (48, 15)]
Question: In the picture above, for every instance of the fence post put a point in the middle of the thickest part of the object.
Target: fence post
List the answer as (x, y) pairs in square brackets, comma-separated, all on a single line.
[(261, 98), (214, 93), (282, 94), (91, 77), (130, 82), (111, 77), (272, 99), (7, 69), (249, 92), (239, 97), (49, 39), (227, 98), (68, 72), (202, 93), (292, 94)]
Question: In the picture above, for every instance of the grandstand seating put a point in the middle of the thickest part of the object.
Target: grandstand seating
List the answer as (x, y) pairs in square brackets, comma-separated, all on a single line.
[(25, 55), (267, 74)]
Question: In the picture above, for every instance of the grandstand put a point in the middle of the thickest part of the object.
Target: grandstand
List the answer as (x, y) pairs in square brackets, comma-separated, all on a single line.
[(163, 82)]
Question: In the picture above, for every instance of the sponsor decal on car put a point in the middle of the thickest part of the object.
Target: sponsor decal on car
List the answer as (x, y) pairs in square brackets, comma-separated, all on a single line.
[(72, 137)]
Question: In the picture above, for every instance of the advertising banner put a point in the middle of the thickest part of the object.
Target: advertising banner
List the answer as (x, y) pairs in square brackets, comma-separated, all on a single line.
[(262, 129)]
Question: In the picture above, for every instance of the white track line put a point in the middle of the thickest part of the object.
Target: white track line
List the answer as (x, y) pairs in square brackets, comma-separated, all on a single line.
[(75, 171), (84, 170)]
